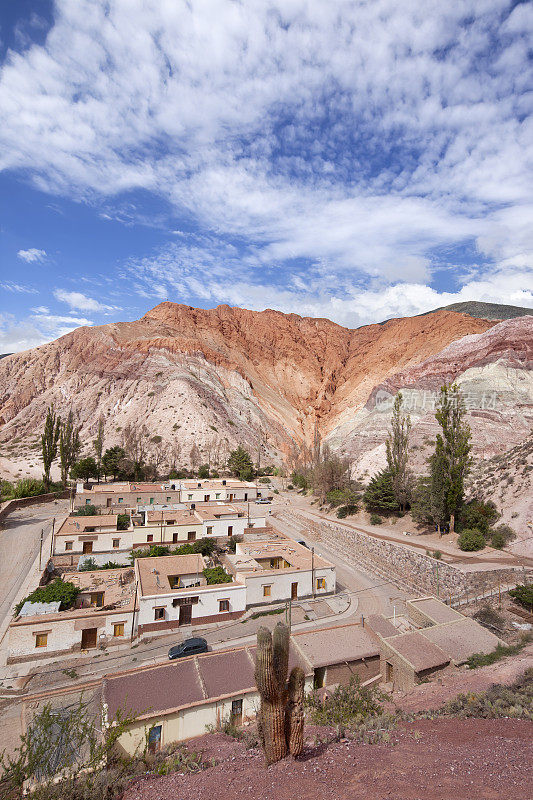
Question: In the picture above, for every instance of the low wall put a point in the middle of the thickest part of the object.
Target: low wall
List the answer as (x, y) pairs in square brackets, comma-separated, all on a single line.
[(20, 502), (409, 570)]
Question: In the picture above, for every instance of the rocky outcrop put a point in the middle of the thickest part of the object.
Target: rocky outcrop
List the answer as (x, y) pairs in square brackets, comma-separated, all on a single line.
[(226, 375)]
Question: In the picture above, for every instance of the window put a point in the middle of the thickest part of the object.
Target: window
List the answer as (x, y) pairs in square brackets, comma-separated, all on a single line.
[(209, 530), (139, 499), (88, 502), (68, 545), (150, 537), (174, 581), (320, 583), (120, 499), (152, 500), (159, 613), (267, 590), (189, 497), (118, 629), (217, 495), (191, 536), (223, 605), (116, 543), (41, 639), (169, 499), (97, 599), (154, 739)]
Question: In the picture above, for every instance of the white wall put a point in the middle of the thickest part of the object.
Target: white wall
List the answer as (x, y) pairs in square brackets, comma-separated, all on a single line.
[(65, 634), (239, 524), (207, 605), (102, 543), (281, 582)]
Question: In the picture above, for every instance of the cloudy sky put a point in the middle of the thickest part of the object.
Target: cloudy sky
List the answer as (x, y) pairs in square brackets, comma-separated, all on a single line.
[(350, 159)]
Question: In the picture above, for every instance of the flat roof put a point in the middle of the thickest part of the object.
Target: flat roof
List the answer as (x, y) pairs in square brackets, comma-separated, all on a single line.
[(79, 524), (381, 625), (215, 512), (248, 554), (435, 609), (421, 653), (336, 645), (154, 571), (461, 639), (180, 516)]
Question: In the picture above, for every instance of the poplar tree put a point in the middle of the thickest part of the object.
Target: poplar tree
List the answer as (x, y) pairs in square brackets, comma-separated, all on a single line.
[(450, 463), (398, 452), (49, 441), (98, 444), (69, 445)]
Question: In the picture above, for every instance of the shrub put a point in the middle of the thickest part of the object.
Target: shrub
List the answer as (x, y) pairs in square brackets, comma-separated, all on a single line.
[(154, 551), (497, 540), (86, 511), (437, 554), (506, 532), (60, 590), (347, 707), (477, 515), (523, 594), (375, 519), (290, 486), (501, 651), (123, 522), (204, 546), (28, 487), (345, 511), (216, 575), (499, 701), (471, 539), (264, 480), (276, 491)]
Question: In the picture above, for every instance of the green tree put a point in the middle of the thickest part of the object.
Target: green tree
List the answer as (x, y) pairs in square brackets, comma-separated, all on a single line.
[(112, 459), (203, 471), (379, 494), (64, 591), (239, 460), (84, 469), (98, 444), (49, 440), (450, 463), (123, 522), (69, 445), (216, 575), (86, 511), (397, 445), (471, 539)]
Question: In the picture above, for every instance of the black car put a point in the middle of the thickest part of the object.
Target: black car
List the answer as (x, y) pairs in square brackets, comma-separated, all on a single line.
[(190, 647)]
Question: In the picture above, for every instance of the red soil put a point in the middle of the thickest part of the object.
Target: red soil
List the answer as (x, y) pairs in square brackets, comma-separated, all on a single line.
[(471, 759)]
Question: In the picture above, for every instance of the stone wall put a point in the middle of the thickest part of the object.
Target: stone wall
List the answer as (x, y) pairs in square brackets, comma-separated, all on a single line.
[(408, 569), (20, 502)]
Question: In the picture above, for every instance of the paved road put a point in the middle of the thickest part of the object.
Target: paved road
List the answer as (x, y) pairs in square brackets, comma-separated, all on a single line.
[(19, 547), (372, 596)]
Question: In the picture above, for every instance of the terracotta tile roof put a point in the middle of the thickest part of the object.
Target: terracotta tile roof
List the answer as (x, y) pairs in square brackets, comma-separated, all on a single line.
[(461, 639), (418, 651), (336, 645), (154, 572)]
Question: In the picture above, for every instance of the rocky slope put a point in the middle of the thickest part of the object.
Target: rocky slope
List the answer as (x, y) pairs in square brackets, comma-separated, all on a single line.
[(226, 375)]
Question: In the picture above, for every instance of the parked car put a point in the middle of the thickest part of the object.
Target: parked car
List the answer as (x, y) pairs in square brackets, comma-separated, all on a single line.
[(190, 647), (263, 500)]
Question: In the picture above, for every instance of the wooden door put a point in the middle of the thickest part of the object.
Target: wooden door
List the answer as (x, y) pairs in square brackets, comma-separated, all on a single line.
[(185, 615), (88, 638), (294, 591), (236, 712), (87, 547)]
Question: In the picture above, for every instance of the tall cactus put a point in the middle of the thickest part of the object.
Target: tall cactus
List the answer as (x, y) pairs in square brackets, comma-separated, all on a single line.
[(281, 717)]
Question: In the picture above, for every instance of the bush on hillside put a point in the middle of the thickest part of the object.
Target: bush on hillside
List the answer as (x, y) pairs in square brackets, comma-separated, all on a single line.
[(471, 539), (477, 515), (375, 519), (523, 594), (346, 511)]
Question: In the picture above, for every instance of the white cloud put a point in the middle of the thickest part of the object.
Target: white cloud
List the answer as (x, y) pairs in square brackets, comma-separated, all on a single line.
[(32, 255), (10, 286), (358, 136), (41, 310), (80, 302), (34, 330)]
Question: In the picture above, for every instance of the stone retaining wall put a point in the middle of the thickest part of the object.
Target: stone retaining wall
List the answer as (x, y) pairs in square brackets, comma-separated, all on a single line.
[(20, 502), (409, 570)]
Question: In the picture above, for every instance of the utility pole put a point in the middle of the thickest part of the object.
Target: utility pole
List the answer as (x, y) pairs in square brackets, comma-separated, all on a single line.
[(41, 547), (313, 570), (437, 571), (52, 539)]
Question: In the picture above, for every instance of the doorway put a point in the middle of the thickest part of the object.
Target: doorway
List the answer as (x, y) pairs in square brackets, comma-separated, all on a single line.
[(87, 547), (389, 672), (294, 591), (185, 615), (236, 712), (88, 638)]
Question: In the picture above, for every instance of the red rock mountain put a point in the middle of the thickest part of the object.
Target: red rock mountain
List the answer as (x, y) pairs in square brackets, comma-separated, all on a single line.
[(226, 375)]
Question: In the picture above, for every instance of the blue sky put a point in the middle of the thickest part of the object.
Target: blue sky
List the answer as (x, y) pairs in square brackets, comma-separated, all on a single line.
[(353, 160)]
